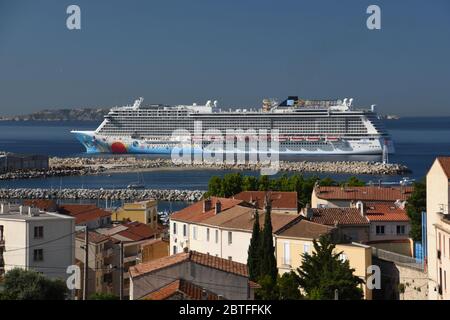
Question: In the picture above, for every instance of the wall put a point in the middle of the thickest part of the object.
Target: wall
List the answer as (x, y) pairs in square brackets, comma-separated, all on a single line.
[(229, 285), (390, 230), (437, 193), (154, 250)]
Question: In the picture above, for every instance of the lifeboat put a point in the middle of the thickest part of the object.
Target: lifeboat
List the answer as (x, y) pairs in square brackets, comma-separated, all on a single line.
[(332, 139), (297, 138), (313, 138)]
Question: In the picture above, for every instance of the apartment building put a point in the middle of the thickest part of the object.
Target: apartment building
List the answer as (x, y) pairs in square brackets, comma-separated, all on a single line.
[(142, 211), (438, 229), (220, 227), (36, 240)]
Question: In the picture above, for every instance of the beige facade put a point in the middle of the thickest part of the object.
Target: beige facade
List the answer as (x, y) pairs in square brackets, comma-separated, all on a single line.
[(289, 251), (438, 229), (142, 211)]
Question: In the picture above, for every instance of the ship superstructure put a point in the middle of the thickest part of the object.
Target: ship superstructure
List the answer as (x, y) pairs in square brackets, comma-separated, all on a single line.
[(303, 126)]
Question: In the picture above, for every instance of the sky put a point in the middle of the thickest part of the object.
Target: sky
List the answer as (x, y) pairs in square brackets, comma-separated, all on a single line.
[(234, 51)]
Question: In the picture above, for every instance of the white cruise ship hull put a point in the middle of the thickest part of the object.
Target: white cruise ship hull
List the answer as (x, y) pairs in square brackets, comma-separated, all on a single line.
[(95, 143)]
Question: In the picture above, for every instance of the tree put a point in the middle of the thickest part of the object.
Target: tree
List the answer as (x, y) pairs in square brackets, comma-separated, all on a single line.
[(268, 290), (327, 182), (249, 183), (355, 182), (254, 250), (263, 183), (288, 286), (415, 206), (268, 262), (322, 272), (20, 284), (231, 184), (215, 187), (103, 296)]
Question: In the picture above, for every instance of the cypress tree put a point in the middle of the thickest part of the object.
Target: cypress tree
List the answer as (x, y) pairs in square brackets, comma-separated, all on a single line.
[(268, 262), (254, 250)]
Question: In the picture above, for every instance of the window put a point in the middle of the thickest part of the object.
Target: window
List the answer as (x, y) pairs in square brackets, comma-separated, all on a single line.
[(400, 229), (184, 230), (230, 258), (174, 249), (286, 253), (174, 228), (38, 232), (207, 234), (306, 248), (230, 237), (217, 236), (379, 230), (194, 232), (38, 254)]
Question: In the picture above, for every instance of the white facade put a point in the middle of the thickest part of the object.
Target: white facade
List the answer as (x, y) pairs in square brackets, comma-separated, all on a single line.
[(224, 243), (37, 240), (438, 232)]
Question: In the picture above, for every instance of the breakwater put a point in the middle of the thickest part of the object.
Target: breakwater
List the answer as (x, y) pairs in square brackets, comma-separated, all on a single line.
[(102, 194)]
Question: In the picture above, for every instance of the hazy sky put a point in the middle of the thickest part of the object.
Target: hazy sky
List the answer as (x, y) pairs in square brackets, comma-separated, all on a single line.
[(235, 51)]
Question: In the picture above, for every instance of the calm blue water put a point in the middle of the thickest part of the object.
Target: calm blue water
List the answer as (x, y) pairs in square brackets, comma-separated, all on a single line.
[(418, 141)]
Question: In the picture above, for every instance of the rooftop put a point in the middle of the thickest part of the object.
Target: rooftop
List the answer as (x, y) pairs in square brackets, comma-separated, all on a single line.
[(93, 237), (131, 231), (445, 164), (339, 216), (385, 211), (302, 228), (83, 212), (193, 256), (196, 212), (366, 193), (184, 287), (280, 200)]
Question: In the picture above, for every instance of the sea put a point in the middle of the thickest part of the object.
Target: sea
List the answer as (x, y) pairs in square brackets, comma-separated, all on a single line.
[(418, 141)]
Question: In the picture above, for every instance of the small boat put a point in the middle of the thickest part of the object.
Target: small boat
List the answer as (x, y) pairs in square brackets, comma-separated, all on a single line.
[(137, 185), (312, 138), (297, 139), (332, 139)]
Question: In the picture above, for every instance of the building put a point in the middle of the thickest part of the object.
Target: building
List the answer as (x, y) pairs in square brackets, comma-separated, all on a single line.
[(438, 229), (389, 226), (351, 223), (142, 211), (281, 202), (154, 249), (296, 239), (13, 162), (181, 290), (102, 262), (216, 276), (86, 215), (36, 240), (220, 227), (342, 196)]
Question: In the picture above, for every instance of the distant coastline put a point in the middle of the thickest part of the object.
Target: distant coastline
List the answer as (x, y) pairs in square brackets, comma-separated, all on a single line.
[(77, 114)]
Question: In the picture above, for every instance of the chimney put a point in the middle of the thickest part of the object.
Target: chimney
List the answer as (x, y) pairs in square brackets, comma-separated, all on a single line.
[(206, 205), (360, 206), (21, 209), (307, 211), (218, 207), (204, 294), (185, 249)]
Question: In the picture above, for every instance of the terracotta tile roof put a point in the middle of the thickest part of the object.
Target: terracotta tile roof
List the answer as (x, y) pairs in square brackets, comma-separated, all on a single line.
[(93, 236), (186, 288), (302, 228), (194, 213), (280, 200), (366, 193), (241, 218), (83, 212), (445, 164), (385, 211), (137, 231), (196, 257), (42, 204), (341, 216)]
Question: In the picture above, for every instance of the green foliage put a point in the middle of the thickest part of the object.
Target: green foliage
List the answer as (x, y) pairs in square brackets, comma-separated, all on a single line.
[(254, 251), (215, 186), (20, 284), (249, 183), (268, 261), (231, 184), (327, 182), (414, 207), (322, 272), (103, 296), (354, 182), (288, 286), (268, 290)]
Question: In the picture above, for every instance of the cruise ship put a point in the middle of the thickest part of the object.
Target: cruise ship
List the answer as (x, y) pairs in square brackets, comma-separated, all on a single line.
[(302, 127)]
